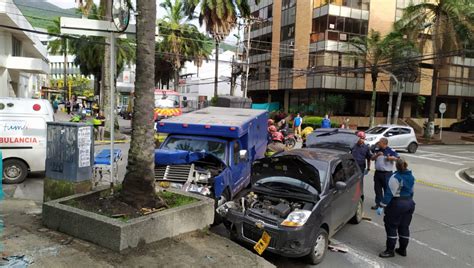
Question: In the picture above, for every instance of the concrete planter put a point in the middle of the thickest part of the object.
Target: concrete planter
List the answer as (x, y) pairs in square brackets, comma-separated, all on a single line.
[(118, 235)]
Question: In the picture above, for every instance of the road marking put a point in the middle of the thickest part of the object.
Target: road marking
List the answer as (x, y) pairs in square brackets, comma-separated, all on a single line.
[(445, 188), (461, 179), (420, 243), (437, 160), (448, 155), (359, 256)]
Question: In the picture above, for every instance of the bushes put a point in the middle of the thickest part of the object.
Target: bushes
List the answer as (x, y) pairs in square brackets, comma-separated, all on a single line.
[(315, 122)]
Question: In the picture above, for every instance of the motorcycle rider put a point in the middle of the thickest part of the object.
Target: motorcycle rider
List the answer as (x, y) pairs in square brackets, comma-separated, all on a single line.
[(276, 144)]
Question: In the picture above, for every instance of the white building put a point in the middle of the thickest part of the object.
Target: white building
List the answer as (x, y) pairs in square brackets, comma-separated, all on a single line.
[(200, 81), (23, 63)]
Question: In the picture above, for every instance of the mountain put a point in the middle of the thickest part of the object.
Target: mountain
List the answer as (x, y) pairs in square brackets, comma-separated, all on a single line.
[(41, 13)]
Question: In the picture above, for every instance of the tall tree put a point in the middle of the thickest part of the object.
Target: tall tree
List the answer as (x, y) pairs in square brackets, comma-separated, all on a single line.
[(59, 46), (220, 17), (373, 51), (138, 186), (181, 40), (449, 24)]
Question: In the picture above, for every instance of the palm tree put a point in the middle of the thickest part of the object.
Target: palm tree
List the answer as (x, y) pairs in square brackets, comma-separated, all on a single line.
[(220, 17), (138, 186), (374, 52), (449, 25), (59, 46), (181, 41)]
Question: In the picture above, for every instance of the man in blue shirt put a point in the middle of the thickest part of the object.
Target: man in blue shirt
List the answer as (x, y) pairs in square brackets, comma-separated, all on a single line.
[(297, 122), (326, 123), (384, 158), (361, 153), (399, 208)]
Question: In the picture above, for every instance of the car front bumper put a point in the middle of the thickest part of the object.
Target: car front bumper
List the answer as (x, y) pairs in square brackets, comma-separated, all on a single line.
[(285, 241)]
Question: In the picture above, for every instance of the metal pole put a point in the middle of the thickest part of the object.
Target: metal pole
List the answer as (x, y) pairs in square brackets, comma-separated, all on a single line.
[(216, 70), (112, 102), (248, 59), (441, 128)]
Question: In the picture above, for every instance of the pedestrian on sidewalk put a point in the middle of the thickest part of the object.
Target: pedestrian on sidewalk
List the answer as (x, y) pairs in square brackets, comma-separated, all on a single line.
[(384, 158), (68, 107), (297, 122), (100, 116), (326, 123), (399, 207), (362, 154), (55, 105)]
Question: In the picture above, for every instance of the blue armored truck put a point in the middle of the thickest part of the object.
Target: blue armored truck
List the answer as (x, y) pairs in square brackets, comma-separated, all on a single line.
[(210, 151)]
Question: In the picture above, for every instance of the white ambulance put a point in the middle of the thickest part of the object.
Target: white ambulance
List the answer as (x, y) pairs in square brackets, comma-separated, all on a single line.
[(23, 136)]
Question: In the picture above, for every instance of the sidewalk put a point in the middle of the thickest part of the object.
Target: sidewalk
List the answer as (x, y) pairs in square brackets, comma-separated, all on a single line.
[(25, 235), (448, 138)]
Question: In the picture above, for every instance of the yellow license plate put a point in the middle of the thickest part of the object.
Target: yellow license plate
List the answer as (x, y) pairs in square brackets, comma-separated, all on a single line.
[(263, 243)]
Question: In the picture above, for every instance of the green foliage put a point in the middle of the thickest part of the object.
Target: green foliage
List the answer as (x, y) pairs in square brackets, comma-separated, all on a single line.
[(40, 14), (315, 122), (175, 200), (420, 101)]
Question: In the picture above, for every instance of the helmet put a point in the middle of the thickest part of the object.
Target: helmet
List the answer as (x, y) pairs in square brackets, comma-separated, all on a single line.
[(270, 122), (272, 129), (361, 134), (277, 136)]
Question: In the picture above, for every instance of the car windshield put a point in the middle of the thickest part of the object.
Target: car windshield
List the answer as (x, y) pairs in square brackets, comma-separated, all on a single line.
[(286, 185), (376, 130), (215, 148), (166, 101)]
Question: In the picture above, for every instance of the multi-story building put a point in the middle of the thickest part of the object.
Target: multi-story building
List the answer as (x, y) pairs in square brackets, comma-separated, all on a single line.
[(299, 54), (23, 63)]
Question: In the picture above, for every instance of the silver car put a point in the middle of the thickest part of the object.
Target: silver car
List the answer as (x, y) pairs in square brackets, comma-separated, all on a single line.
[(399, 137)]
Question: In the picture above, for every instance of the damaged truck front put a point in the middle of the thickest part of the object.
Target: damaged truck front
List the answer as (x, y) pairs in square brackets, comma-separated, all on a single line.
[(210, 151)]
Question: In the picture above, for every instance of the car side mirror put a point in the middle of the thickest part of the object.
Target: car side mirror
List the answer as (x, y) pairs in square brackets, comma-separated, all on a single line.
[(243, 154), (341, 186)]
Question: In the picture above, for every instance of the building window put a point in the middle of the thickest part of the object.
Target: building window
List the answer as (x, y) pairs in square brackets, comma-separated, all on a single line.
[(288, 32), (288, 4), (16, 47), (286, 62)]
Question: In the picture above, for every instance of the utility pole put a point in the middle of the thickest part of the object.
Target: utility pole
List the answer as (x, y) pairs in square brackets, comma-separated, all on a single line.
[(216, 71), (235, 68), (65, 68), (249, 30)]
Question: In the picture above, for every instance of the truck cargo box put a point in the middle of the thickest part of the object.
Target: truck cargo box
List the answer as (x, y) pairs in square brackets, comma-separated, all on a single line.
[(216, 121)]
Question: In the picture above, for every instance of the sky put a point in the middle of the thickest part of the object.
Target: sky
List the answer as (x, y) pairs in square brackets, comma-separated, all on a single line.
[(159, 14)]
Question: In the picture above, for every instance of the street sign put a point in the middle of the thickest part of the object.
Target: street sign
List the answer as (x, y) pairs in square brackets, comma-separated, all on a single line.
[(79, 26), (442, 108)]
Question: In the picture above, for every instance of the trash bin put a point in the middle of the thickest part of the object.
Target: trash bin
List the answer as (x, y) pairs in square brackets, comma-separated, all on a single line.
[(69, 159)]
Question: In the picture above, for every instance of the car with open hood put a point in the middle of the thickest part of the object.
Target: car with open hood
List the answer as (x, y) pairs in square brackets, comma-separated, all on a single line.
[(299, 198)]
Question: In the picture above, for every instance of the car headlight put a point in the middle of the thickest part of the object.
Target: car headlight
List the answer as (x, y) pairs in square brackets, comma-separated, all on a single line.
[(370, 138), (297, 218), (203, 177)]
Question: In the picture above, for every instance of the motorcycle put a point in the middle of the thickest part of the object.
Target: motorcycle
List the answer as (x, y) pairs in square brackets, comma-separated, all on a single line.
[(289, 139)]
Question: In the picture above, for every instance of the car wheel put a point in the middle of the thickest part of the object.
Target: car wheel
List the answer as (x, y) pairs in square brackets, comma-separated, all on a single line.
[(412, 147), (319, 248), (290, 143), (14, 171), (357, 218)]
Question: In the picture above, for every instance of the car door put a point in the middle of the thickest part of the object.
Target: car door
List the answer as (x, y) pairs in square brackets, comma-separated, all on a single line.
[(354, 189), (338, 208), (393, 137), (405, 137), (238, 167)]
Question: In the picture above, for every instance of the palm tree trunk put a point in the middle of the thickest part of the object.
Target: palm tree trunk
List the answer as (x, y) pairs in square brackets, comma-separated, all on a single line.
[(105, 81), (434, 94), (390, 101), (65, 68), (399, 102), (216, 72), (138, 187), (374, 75), (176, 79)]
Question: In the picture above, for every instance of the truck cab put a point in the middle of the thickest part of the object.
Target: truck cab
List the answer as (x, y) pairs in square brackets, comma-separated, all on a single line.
[(210, 151)]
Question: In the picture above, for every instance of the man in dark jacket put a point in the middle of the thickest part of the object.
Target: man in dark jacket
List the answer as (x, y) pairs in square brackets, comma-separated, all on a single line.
[(361, 153)]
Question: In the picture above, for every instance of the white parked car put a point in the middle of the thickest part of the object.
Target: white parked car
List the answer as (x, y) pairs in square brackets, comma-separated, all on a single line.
[(23, 136), (399, 137)]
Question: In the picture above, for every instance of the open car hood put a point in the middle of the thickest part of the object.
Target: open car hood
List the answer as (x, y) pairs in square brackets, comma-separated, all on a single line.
[(180, 157), (341, 139), (293, 166)]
